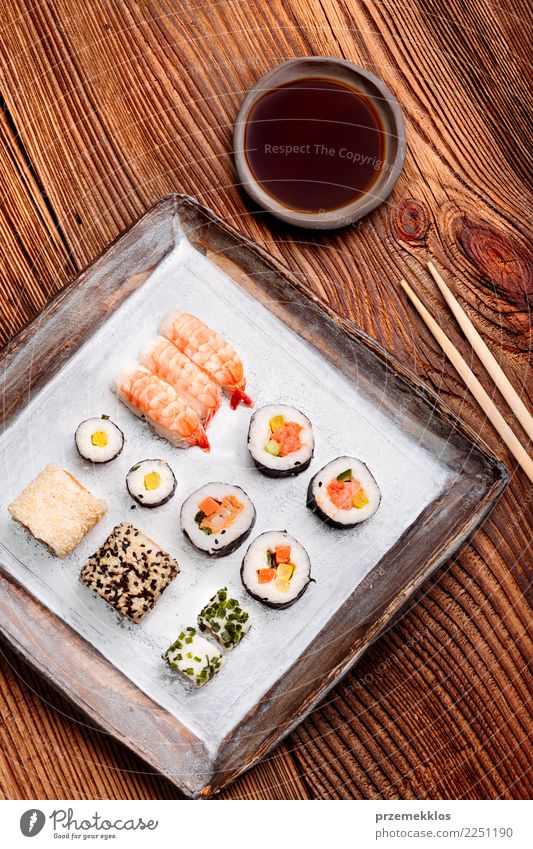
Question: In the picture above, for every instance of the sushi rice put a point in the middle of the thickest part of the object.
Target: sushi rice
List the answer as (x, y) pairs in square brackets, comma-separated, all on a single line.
[(343, 493), (225, 619), (217, 518), (280, 440), (194, 657), (276, 569), (151, 483), (99, 439)]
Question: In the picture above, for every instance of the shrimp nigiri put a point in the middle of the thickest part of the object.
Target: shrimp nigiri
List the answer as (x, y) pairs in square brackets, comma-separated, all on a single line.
[(209, 351), (170, 415), (165, 360)]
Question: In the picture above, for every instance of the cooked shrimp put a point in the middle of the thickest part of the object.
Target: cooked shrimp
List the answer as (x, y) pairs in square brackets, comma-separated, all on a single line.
[(170, 415), (165, 360), (210, 351)]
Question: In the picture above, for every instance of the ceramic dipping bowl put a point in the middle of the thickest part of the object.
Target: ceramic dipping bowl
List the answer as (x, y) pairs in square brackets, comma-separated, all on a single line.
[(387, 108)]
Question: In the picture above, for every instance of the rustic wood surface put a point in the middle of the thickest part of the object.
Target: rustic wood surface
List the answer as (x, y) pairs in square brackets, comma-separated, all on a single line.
[(109, 105)]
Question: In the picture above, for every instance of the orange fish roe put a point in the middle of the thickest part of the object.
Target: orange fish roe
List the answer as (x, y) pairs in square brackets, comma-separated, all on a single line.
[(288, 438), (343, 492)]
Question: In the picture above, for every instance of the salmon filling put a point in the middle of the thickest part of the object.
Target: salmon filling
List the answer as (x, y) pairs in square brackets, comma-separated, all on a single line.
[(288, 438), (342, 493), (284, 437)]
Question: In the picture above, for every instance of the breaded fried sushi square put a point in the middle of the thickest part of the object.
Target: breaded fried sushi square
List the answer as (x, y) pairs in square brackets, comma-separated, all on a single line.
[(57, 510), (129, 571), (195, 657)]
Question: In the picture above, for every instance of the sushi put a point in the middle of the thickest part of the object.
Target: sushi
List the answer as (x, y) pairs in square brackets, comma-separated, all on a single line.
[(129, 571), (225, 619), (210, 351), (170, 415), (57, 510), (195, 657), (276, 569), (280, 440), (217, 518), (99, 440), (165, 360), (151, 483), (343, 493)]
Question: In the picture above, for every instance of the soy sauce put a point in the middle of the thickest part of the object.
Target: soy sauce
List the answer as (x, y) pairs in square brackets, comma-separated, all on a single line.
[(315, 144)]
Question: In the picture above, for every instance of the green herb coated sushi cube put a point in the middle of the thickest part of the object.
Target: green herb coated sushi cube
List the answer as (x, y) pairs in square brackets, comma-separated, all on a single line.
[(196, 658), (225, 619)]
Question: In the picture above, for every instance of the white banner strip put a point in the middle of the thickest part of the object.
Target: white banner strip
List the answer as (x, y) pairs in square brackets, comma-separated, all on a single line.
[(264, 825)]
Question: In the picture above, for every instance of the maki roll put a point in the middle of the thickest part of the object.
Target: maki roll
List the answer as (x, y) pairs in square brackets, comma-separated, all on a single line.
[(280, 440), (276, 569), (343, 493), (217, 518), (99, 440), (151, 483)]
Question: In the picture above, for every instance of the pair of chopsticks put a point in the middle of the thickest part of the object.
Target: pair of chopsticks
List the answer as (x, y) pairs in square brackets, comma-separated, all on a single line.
[(472, 383)]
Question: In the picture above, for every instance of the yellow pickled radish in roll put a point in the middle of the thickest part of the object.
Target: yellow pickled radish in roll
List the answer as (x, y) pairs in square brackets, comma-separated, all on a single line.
[(99, 439)]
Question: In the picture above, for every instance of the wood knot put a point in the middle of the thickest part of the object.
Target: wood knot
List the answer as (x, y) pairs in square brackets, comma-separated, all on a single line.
[(501, 260), (412, 221)]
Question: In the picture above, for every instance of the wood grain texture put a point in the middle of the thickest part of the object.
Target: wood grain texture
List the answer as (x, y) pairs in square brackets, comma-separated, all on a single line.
[(35, 261), (110, 106)]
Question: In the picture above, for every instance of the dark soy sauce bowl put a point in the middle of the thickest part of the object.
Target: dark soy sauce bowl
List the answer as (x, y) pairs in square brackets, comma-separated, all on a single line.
[(384, 103)]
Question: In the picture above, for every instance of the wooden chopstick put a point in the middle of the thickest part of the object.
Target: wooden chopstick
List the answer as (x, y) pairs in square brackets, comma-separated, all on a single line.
[(472, 383), (489, 361)]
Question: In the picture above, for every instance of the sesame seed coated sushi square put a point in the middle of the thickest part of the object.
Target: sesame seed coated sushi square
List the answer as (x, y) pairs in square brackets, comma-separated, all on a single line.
[(57, 510), (196, 658), (129, 571), (225, 619)]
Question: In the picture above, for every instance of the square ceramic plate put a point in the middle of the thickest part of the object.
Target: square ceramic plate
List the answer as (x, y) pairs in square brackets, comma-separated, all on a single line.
[(437, 483)]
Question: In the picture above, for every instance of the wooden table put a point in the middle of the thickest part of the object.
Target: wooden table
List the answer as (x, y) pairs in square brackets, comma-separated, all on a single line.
[(109, 105)]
